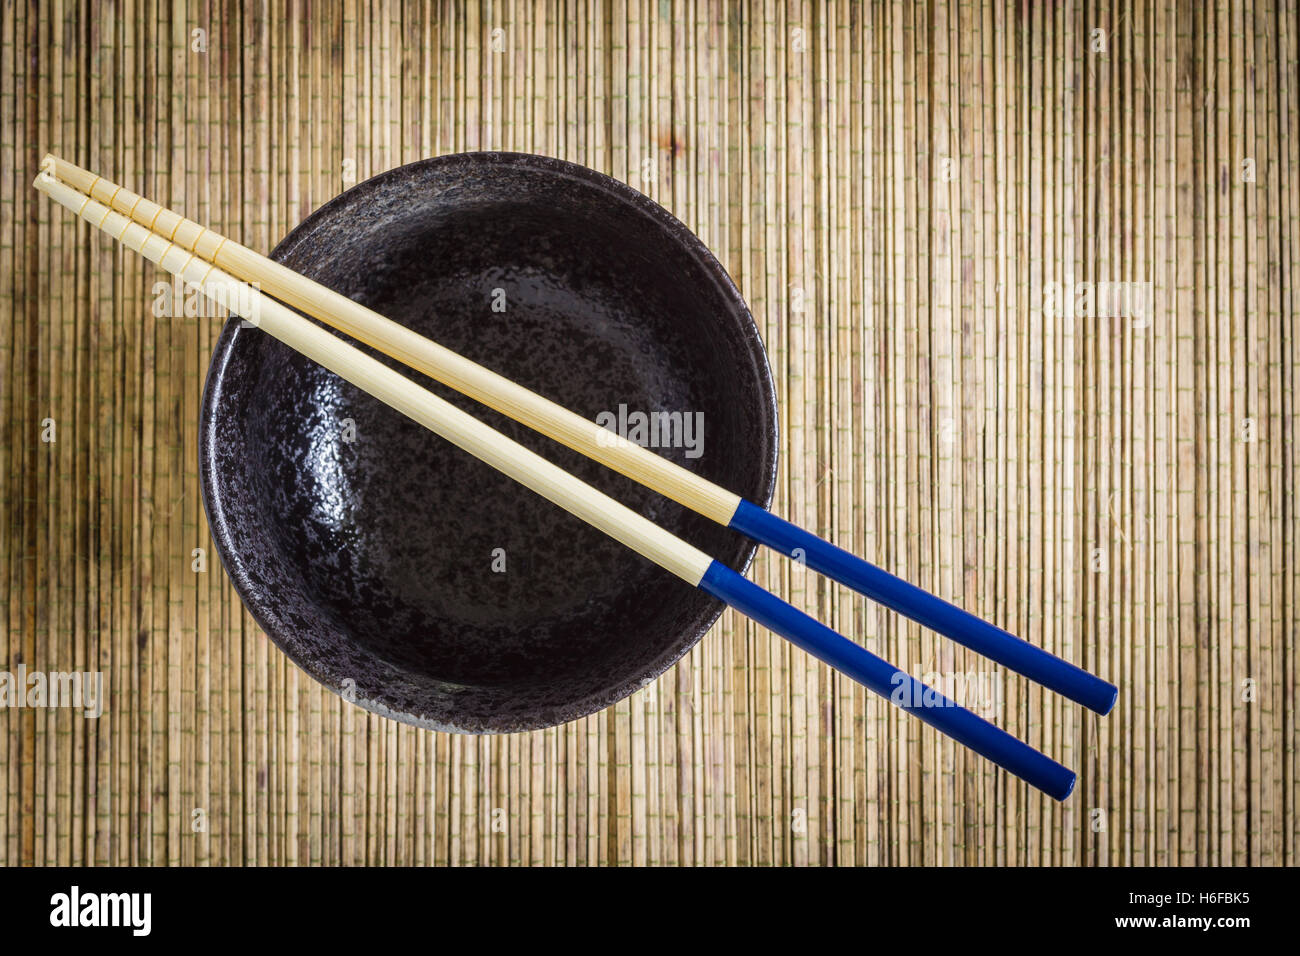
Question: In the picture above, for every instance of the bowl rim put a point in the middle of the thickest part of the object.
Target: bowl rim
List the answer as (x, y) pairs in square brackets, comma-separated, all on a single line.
[(618, 190)]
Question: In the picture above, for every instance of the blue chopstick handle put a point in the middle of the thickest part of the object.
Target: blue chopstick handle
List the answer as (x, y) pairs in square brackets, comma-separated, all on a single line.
[(886, 680), (924, 608)]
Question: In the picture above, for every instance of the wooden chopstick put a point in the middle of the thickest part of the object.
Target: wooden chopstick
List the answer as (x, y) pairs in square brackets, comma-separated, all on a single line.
[(580, 434), (570, 493)]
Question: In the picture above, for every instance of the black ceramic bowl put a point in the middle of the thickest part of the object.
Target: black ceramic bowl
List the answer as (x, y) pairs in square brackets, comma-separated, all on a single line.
[(370, 550)]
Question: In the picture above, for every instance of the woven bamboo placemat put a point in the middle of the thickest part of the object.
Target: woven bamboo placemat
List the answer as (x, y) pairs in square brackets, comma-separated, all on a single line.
[(897, 189)]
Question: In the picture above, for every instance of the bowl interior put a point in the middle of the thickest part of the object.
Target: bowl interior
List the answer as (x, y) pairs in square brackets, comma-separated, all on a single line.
[(411, 577)]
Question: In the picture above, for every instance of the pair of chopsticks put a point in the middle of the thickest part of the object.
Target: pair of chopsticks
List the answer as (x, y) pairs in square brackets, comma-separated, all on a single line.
[(223, 269)]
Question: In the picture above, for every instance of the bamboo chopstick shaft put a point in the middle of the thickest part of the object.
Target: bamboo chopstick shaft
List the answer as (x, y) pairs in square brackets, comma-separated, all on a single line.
[(412, 349), (461, 429)]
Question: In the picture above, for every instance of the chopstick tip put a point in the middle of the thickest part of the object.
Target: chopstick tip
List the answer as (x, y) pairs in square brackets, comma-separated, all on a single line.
[(1069, 788), (48, 167)]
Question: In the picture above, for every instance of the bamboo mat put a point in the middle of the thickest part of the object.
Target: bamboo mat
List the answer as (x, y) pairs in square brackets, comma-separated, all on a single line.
[(894, 187)]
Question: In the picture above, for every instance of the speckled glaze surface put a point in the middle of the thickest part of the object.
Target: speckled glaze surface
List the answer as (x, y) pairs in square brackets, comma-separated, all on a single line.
[(370, 561)]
